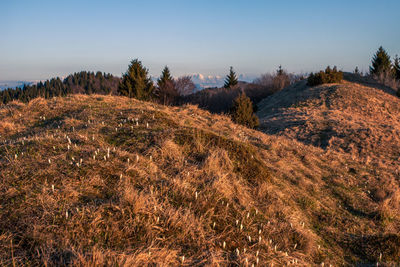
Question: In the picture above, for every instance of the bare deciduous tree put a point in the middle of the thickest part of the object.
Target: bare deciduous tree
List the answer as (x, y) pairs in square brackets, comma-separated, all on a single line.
[(185, 85)]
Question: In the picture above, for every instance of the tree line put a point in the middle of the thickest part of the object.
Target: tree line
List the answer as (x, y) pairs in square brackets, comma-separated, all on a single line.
[(78, 83)]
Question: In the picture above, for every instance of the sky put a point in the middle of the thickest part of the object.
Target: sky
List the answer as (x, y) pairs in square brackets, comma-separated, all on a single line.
[(46, 38)]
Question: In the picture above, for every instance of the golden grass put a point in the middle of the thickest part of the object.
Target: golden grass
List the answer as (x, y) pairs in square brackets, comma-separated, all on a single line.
[(82, 184)]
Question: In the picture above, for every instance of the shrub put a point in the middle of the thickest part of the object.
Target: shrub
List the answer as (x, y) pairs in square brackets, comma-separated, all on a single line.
[(242, 112), (327, 76), (277, 81)]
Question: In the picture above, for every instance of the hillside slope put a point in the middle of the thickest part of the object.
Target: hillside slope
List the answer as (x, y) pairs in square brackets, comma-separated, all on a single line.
[(352, 117), (102, 180)]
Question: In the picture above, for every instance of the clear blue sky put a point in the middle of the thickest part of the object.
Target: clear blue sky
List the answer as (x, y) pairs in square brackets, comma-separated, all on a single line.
[(41, 39)]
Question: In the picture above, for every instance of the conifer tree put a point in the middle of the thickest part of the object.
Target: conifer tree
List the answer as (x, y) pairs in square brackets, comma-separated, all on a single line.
[(242, 112), (165, 77), (136, 82), (166, 88), (396, 67), (357, 71), (231, 79), (280, 71), (381, 63)]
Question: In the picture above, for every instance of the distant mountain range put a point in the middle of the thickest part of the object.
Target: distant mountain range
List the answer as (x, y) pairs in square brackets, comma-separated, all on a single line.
[(204, 81), (13, 84)]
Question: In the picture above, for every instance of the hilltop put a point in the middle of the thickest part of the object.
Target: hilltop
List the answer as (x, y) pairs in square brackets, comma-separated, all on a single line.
[(106, 180), (358, 117)]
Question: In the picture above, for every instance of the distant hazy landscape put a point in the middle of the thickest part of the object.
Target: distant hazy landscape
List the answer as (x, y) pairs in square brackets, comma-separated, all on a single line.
[(13, 84)]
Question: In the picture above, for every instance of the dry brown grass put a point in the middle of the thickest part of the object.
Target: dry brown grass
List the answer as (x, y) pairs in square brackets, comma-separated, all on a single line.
[(188, 189)]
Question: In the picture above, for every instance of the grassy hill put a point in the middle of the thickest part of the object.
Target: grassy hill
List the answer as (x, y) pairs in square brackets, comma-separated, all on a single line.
[(103, 180)]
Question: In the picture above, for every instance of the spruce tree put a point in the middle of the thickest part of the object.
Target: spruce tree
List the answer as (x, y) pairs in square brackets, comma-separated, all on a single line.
[(396, 67), (280, 71), (231, 79), (165, 77), (136, 82), (242, 112), (166, 89), (381, 63)]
